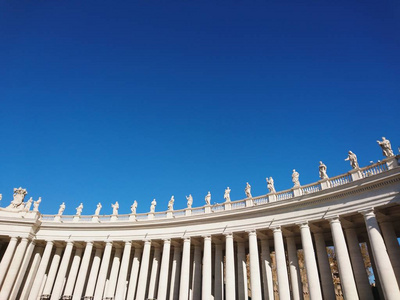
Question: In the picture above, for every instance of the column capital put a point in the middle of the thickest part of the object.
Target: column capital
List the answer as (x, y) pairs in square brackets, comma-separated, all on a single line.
[(186, 239), (108, 242), (207, 237), (276, 228), (49, 242), (368, 212), (167, 241), (228, 235), (13, 238), (147, 242), (303, 224), (252, 232), (333, 219), (128, 243)]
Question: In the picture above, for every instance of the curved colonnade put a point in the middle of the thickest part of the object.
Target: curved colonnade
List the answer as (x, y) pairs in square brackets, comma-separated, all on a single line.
[(236, 250)]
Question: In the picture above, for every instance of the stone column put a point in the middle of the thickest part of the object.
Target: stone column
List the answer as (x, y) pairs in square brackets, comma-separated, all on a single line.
[(5, 262), (254, 267), (357, 262), (41, 271), (62, 271), (53, 271), (155, 267), (163, 282), (112, 283), (230, 268), (242, 271), (134, 273), (267, 269), (281, 269), (93, 273), (196, 281), (294, 269), (69, 288), (383, 265), (30, 276), (328, 290), (218, 272), (343, 260), (13, 270), (392, 246), (144, 270), (207, 271), (123, 272), (310, 262), (101, 280), (185, 271), (175, 273), (80, 281)]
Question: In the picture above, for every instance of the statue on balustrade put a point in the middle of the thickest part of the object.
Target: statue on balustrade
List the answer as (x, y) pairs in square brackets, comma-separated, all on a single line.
[(153, 206), (28, 204), (386, 147), (208, 198), (322, 171), (189, 201), (270, 185), (171, 204), (61, 209), (133, 207), (247, 190), (19, 196), (353, 160), (36, 204), (115, 208), (227, 195), (97, 211), (295, 178), (79, 209)]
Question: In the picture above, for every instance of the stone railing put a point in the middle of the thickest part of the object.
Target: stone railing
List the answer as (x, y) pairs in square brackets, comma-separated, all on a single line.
[(312, 188)]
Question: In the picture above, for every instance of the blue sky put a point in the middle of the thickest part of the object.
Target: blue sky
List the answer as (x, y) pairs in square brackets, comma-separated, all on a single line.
[(135, 100)]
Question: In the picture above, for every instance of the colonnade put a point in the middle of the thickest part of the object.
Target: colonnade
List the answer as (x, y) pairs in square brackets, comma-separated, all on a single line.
[(206, 267)]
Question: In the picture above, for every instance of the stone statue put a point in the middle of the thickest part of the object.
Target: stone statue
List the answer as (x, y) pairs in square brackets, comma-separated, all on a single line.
[(247, 190), (322, 171), (153, 205), (19, 196), (133, 207), (227, 195), (36, 204), (115, 208), (353, 160), (171, 203), (28, 204), (79, 209), (386, 147), (208, 198), (295, 178), (97, 211), (270, 185), (189, 201), (61, 210)]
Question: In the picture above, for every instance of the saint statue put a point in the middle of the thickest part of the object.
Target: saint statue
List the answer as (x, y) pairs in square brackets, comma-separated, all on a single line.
[(322, 171), (171, 204), (115, 208), (295, 178), (28, 204), (153, 205), (61, 209), (79, 209), (270, 185), (227, 195), (97, 211), (189, 201), (386, 147), (133, 207), (353, 160), (247, 190), (36, 204), (208, 198)]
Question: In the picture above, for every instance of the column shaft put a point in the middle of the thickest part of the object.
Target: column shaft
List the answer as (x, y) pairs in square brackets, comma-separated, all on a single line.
[(155, 266), (219, 273), (294, 269), (69, 287), (207, 271), (196, 281), (242, 271), (101, 280), (230, 268), (5, 262), (163, 282), (281, 269), (51, 276), (255, 281), (80, 281), (93, 273), (175, 273), (392, 245), (383, 265), (267, 269), (58, 284), (31, 275), (134, 273), (185, 271), (123, 272), (144, 270), (343, 260), (328, 290), (112, 283), (41, 271)]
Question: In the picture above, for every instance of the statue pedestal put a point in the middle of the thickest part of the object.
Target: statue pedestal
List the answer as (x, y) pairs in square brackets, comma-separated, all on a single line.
[(95, 219), (132, 217), (57, 218), (325, 184), (207, 209), (76, 219), (297, 191), (355, 174), (227, 206), (249, 202), (188, 212), (170, 214), (150, 216), (114, 218), (271, 197), (391, 162)]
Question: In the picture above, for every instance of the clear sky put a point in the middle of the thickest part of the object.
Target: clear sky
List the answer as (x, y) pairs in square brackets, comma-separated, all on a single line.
[(104, 101)]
